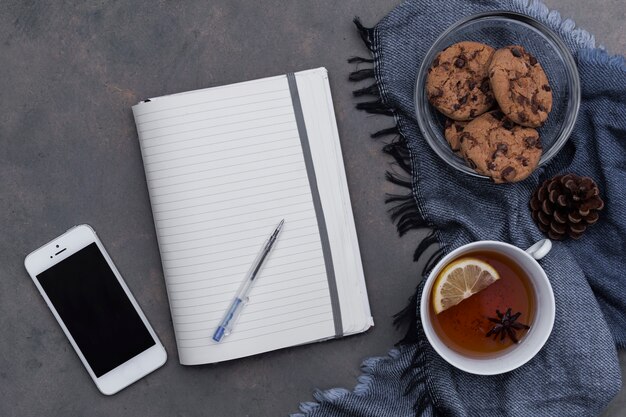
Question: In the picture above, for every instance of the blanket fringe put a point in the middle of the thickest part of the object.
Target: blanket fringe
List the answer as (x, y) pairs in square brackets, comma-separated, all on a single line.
[(434, 258), (407, 318), (361, 74), (389, 131), (402, 182), (399, 150), (403, 210), (427, 242), (403, 213), (359, 60), (371, 90), (367, 34), (375, 107)]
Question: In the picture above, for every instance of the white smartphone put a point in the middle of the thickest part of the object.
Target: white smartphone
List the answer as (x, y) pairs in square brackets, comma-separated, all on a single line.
[(95, 309)]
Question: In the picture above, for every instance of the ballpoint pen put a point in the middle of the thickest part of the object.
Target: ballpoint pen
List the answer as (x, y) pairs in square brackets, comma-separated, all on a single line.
[(227, 323)]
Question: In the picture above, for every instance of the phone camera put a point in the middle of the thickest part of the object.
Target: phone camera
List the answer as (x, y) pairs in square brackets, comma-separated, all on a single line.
[(57, 246)]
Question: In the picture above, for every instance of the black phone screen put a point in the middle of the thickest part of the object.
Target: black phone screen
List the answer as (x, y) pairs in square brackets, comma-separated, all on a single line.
[(95, 309)]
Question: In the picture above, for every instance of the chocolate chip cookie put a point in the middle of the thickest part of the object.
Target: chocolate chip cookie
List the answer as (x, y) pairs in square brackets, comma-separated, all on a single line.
[(458, 83), (452, 133), (520, 86), (496, 147)]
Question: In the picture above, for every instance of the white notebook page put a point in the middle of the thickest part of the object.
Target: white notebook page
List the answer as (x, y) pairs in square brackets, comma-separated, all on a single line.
[(323, 137), (224, 166)]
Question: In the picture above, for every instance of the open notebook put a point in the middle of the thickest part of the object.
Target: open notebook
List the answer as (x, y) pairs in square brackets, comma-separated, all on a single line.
[(224, 165)]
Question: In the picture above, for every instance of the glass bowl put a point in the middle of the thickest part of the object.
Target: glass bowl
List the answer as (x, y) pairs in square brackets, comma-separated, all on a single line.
[(499, 29)]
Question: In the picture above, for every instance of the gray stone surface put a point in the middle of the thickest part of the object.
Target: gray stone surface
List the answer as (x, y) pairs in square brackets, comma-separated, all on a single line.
[(70, 73)]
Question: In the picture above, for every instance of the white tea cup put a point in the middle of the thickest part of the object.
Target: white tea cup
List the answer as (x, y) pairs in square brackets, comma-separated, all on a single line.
[(540, 330)]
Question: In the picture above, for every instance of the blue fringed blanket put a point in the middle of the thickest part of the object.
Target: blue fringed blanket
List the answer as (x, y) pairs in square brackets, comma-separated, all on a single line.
[(577, 373)]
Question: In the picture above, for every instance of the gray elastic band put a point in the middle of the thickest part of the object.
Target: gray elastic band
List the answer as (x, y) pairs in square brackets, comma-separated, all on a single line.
[(317, 203)]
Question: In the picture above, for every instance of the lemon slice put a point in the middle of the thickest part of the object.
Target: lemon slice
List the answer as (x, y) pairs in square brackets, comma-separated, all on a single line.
[(460, 280)]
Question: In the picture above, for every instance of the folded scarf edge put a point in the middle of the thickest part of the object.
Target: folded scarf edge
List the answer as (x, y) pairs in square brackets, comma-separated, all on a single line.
[(362, 388), (583, 39)]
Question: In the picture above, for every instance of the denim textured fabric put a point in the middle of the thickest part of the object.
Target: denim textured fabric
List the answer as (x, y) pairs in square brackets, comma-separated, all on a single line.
[(577, 372)]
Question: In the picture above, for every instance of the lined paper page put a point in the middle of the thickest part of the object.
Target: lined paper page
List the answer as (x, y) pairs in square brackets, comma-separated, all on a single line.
[(224, 166)]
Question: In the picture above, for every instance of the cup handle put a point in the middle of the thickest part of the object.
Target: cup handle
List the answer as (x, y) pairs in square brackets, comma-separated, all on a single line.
[(540, 249)]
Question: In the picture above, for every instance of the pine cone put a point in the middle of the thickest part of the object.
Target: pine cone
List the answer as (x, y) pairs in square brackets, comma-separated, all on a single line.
[(566, 205)]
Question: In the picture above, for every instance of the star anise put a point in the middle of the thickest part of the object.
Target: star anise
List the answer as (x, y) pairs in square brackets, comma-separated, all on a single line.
[(506, 325)]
